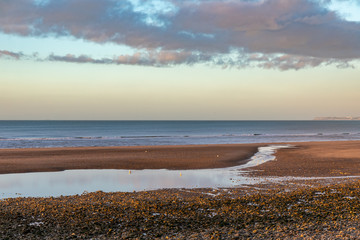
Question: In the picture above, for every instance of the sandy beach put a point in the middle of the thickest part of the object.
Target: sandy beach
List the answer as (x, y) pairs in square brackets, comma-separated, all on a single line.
[(303, 159), (149, 157), (328, 211), (314, 159)]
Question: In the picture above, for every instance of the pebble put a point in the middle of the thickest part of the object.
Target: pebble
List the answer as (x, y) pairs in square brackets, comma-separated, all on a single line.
[(188, 214)]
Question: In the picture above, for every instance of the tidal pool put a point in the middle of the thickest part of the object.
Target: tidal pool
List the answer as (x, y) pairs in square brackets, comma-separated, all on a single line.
[(71, 182)]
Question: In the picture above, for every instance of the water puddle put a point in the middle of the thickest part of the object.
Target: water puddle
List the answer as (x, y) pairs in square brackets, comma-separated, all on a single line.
[(71, 182)]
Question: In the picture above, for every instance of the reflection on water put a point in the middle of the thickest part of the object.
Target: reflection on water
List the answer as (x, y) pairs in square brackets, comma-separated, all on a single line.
[(78, 181)]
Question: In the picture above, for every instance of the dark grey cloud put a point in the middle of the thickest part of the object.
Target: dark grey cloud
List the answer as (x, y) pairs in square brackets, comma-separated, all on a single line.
[(195, 31), (275, 26)]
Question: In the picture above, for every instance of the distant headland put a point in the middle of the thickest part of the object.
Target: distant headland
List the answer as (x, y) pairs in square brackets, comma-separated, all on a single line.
[(338, 118)]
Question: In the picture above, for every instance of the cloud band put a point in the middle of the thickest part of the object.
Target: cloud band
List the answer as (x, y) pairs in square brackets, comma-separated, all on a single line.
[(283, 34)]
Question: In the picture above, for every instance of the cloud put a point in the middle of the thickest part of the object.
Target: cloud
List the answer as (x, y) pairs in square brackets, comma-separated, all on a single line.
[(153, 58), (293, 62), (164, 59), (12, 55), (189, 32), (274, 26)]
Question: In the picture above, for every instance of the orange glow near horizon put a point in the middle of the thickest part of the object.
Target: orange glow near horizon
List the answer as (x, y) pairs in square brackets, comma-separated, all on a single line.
[(74, 91)]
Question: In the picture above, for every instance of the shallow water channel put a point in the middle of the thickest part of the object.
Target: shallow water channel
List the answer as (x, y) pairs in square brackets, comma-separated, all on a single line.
[(71, 182)]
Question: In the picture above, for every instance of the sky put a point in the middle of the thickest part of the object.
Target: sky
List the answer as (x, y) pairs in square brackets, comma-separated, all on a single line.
[(179, 60)]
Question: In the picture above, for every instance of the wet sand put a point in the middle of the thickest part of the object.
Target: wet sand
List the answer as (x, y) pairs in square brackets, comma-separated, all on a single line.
[(149, 157), (314, 159), (306, 159)]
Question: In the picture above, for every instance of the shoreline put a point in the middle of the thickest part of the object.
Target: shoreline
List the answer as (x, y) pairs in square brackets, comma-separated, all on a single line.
[(304, 159), (176, 157)]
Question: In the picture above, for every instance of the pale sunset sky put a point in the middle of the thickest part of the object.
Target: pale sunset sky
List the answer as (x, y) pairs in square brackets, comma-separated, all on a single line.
[(179, 60)]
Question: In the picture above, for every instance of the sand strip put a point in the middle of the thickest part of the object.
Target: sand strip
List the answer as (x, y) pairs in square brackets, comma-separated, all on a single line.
[(306, 159), (314, 159), (149, 157)]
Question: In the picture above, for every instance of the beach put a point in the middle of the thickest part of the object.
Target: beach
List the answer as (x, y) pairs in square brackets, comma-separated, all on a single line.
[(149, 157), (287, 210), (314, 159), (304, 159)]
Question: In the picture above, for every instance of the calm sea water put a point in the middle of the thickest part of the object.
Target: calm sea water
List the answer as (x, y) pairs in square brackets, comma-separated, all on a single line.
[(36, 134)]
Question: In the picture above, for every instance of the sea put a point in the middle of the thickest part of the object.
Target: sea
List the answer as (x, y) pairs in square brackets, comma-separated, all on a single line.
[(46, 134)]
